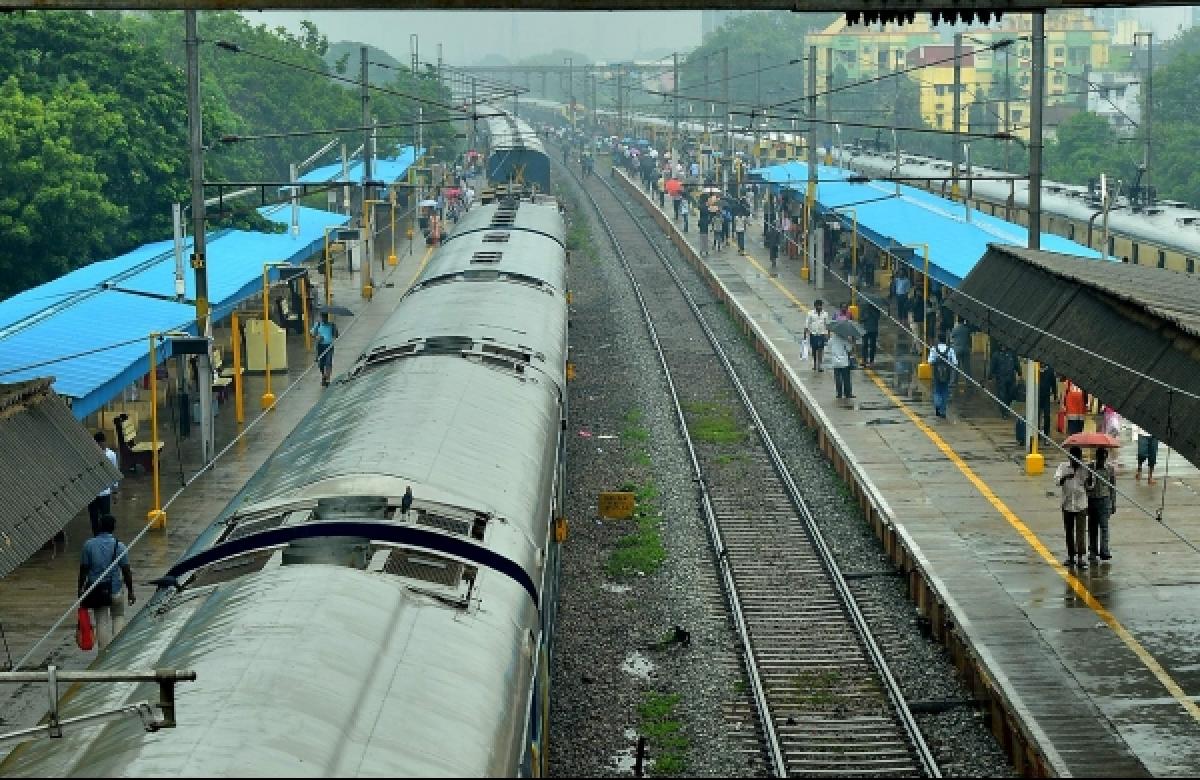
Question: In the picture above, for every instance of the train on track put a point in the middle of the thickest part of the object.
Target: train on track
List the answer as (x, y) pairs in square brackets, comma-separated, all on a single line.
[(1165, 233), (515, 155), (334, 633)]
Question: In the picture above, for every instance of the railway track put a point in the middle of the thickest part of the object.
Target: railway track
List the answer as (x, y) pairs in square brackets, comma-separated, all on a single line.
[(826, 702)]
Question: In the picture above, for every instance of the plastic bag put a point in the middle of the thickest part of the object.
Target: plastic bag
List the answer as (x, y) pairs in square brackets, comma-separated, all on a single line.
[(85, 635), (805, 349)]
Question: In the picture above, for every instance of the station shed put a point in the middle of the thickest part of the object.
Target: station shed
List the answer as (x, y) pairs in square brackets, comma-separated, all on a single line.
[(1128, 333), (89, 329)]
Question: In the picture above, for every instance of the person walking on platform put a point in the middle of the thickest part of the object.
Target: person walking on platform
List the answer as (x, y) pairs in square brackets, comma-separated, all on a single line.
[(898, 291), (1075, 404), (870, 322), (716, 226), (960, 340), (1147, 450), (705, 219), (771, 240), (326, 332), (739, 230), (1004, 374), (839, 359), (102, 504), (944, 361), (816, 330), (1102, 502), (98, 554), (685, 211), (1047, 395), (1071, 476)]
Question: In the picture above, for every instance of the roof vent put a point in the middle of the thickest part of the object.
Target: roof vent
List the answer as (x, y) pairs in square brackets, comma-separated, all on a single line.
[(425, 567), (486, 257), (495, 238)]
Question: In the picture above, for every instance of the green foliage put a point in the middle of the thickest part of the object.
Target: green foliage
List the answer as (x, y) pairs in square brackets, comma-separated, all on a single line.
[(93, 129), (659, 723), (641, 550), (713, 422)]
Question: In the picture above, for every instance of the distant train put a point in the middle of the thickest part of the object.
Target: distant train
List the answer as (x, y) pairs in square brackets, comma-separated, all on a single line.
[(334, 634), (1165, 234), (515, 156)]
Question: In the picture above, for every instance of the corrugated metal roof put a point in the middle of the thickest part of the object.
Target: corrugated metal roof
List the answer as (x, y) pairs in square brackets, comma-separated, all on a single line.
[(386, 169), (50, 469), (94, 347), (1077, 315), (913, 217), (88, 311)]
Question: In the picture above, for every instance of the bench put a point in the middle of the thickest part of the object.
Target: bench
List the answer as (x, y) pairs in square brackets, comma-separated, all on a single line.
[(222, 379), (132, 453)]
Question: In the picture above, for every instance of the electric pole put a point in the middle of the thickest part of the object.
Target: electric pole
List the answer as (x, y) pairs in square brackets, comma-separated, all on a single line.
[(727, 152), (957, 115), (199, 261), (811, 196), (1034, 462), (675, 103), (368, 154), (829, 104)]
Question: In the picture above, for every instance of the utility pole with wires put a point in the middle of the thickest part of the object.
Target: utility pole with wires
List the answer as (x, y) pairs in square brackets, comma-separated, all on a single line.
[(727, 146), (954, 154), (829, 104), (810, 200), (199, 261), (365, 189), (675, 109), (1034, 462)]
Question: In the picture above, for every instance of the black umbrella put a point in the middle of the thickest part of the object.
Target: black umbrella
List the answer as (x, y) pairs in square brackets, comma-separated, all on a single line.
[(333, 308), (847, 329)]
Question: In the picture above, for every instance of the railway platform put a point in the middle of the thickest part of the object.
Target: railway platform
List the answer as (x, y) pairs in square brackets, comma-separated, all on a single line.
[(35, 595), (1084, 672)]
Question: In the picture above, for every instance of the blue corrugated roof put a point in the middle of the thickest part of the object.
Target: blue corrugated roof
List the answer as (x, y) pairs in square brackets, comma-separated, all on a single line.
[(75, 345), (111, 301), (386, 169), (915, 216)]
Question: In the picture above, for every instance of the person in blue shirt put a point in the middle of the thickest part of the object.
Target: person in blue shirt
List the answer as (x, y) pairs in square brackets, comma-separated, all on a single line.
[(100, 552), (944, 362), (326, 332)]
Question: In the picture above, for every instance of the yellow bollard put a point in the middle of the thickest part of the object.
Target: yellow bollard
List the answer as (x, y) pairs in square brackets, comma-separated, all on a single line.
[(156, 516), (237, 370)]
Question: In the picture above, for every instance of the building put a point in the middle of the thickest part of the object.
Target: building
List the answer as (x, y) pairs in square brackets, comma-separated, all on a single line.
[(1116, 97), (862, 53), (937, 84)]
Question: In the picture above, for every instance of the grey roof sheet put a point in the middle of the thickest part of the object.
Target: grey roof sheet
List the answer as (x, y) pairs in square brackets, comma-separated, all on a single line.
[(1127, 334), (50, 468), (1170, 295)]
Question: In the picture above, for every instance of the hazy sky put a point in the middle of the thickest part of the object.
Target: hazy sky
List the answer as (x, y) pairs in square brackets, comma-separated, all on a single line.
[(467, 36)]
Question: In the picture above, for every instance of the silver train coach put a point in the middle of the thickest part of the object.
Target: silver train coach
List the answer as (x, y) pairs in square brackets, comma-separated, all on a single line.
[(334, 635)]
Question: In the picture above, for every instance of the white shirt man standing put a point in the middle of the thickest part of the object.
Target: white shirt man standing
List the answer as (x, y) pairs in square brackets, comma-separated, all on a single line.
[(102, 504), (816, 330)]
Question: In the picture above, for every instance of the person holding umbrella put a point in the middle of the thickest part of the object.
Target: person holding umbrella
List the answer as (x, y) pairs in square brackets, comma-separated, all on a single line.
[(842, 336)]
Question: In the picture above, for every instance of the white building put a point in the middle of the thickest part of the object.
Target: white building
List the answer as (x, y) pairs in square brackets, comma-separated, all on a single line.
[(1114, 96)]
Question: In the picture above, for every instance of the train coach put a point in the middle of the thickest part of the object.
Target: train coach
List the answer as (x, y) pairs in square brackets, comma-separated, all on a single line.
[(515, 154), (334, 633)]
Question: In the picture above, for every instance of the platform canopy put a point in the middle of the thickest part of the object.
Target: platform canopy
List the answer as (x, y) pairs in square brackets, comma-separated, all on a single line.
[(901, 223), (1089, 319), (90, 329), (385, 169)]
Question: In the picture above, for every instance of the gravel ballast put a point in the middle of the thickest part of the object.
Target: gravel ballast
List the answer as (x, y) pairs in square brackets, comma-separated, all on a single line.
[(613, 646)]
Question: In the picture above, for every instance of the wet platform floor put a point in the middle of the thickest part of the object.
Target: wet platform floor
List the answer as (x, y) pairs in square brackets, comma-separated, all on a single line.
[(1097, 663)]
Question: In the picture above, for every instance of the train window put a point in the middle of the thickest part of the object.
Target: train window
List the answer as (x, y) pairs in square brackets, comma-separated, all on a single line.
[(1071, 230), (1112, 246), (1136, 254), (1191, 265), (495, 238), (1162, 259)]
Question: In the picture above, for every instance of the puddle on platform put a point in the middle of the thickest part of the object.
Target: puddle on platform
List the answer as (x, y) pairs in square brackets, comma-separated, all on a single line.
[(638, 665)]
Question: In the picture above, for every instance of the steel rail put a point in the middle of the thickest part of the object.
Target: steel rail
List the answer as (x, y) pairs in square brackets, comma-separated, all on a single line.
[(921, 750), (775, 748)]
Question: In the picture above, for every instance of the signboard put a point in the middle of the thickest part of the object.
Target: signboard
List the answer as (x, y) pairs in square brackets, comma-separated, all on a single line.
[(619, 505)]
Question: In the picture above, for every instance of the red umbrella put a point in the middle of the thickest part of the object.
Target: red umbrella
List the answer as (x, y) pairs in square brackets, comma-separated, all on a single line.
[(674, 186), (1092, 439)]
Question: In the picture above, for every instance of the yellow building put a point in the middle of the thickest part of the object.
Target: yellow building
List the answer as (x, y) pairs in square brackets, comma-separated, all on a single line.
[(935, 80)]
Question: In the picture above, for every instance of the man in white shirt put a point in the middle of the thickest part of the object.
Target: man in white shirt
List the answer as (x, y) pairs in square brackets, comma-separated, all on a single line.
[(102, 504), (1072, 478), (839, 359), (816, 330)]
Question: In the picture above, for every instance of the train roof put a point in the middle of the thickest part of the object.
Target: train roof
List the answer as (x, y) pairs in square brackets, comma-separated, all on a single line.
[(338, 691), (506, 131)]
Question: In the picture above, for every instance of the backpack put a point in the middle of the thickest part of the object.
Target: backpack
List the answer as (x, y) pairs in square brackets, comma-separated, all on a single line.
[(942, 370)]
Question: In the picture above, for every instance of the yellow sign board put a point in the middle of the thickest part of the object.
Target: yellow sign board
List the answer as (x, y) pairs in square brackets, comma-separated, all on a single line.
[(619, 505)]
